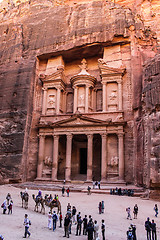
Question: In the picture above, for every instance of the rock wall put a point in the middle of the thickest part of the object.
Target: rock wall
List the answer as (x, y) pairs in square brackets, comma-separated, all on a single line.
[(35, 29)]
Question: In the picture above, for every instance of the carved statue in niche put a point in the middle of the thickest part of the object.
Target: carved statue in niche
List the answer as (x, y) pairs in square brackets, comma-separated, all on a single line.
[(90, 98), (81, 99), (114, 161), (51, 101), (70, 102), (99, 100), (48, 161), (113, 95)]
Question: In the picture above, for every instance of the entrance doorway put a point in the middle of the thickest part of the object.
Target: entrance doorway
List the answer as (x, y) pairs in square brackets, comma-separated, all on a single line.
[(83, 160)]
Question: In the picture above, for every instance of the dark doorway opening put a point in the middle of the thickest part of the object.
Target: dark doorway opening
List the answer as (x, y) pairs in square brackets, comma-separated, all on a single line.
[(83, 160)]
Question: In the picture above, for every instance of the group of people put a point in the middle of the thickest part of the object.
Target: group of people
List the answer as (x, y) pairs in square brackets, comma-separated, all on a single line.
[(67, 191), (122, 192), (150, 228), (131, 233), (8, 203), (135, 212), (101, 207), (96, 185)]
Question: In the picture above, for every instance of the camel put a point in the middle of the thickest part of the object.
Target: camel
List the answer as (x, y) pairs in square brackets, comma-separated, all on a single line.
[(25, 198), (52, 204), (39, 201)]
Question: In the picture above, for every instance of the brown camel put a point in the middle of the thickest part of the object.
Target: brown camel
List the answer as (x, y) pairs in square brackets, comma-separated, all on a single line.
[(25, 198), (39, 201), (52, 204)]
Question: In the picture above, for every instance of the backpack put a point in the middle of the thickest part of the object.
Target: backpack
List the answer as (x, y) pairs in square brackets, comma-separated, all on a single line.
[(130, 236), (54, 217)]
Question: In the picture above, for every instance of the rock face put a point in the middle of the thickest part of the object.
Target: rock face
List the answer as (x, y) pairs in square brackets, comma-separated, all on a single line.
[(31, 32)]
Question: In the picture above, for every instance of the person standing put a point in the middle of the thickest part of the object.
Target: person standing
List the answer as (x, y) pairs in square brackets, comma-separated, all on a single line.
[(8, 197), (153, 228), (55, 219), (49, 220), (128, 210), (66, 226), (79, 226), (129, 234), (68, 191), (4, 206), (103, 229), (156, 210), (60, 220), (89, 190), (10, 207), (96, 228), (74, 214), (26, 224), (90, 230), (102, 206), (134, 231), (85, 220), (63, 191), (135, 211), (148, 228), (99, 184)]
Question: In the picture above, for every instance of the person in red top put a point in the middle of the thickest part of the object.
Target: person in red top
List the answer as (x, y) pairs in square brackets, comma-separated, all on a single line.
[(68, 190)]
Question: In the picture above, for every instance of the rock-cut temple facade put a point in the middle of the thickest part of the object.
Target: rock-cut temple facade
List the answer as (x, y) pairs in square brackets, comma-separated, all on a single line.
[(80, 91)]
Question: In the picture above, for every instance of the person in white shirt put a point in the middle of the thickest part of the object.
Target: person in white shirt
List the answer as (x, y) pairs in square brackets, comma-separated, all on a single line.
[(26, 224), (49, 220), (96, 228)]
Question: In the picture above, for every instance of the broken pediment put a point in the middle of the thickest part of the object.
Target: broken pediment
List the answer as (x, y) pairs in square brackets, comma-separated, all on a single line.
[(110, 71), (55, 76)]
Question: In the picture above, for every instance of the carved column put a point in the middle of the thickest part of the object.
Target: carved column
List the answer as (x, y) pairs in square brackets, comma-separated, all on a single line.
[(86, 99), (120, 95), (44, 101), (40, 155), (55, 157), (104, 157), (121, 155), (89, 157), (68, 157), (75, 99), (58, 101), (104, 97)]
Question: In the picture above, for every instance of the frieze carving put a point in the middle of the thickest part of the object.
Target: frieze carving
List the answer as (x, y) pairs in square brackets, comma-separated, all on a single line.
[(51, 101), (113, 95)]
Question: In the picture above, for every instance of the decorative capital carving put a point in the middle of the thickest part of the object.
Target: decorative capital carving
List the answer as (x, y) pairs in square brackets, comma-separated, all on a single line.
[(41, 136), (42, 77), (90, 136), (56, 137), (69, 136), (104, 135), (120, 135)]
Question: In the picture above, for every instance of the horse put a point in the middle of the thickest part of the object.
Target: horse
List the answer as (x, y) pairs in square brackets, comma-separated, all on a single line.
[(39, 201), (52, 204), (25, 198)]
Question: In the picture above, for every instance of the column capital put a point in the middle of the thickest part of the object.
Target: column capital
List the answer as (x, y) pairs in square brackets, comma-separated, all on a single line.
[(90, 135), (120, 135), (69, 135), (41, 135), (56, 136), (104, 135), (44, 88), (119, 81)]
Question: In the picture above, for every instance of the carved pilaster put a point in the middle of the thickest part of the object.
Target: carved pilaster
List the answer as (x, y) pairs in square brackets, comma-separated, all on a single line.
[(55, 157), (89, 157), (121, 155), (104, 157), (68, 157), (40, 155)]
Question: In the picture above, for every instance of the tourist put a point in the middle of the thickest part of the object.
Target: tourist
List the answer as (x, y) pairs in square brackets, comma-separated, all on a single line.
[(26, 224), (96, 185), (74, 214), (156, 210), (96, 228), (85, 220), (10, 207), (103, 229), (79, 226), (70, 224), (134, 231), (39, 195), (153, 228), (93, 184), (99, 184), (4, 206), (129, 234), (148, 228), (8, 198), (66, 226), (49, 220), (63, 191), (68, 206), (128, 210), (68, 190), (78, 216), (90, 230), (102, 206), (89, 190), (55, 219), (60, 219), (135, 211)]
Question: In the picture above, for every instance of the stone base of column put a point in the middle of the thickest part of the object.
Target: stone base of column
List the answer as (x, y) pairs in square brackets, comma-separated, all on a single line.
[(88, 181)]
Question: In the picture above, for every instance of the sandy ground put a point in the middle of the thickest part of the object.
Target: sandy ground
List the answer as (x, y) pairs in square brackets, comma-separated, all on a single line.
[(11, 226)]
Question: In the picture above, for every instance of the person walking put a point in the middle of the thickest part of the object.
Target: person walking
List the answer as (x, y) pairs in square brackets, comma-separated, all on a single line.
[(55, 219), (66, 226), (156, 210), (63, 191), (135, 211), (10, 207), (89, 190), (103, 229), (128, 210), (26, 224), (60, 220), (102, 206), (49, 220), (148, 228), (85, 220), (153, 228), (68, 191), (96, 228)]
